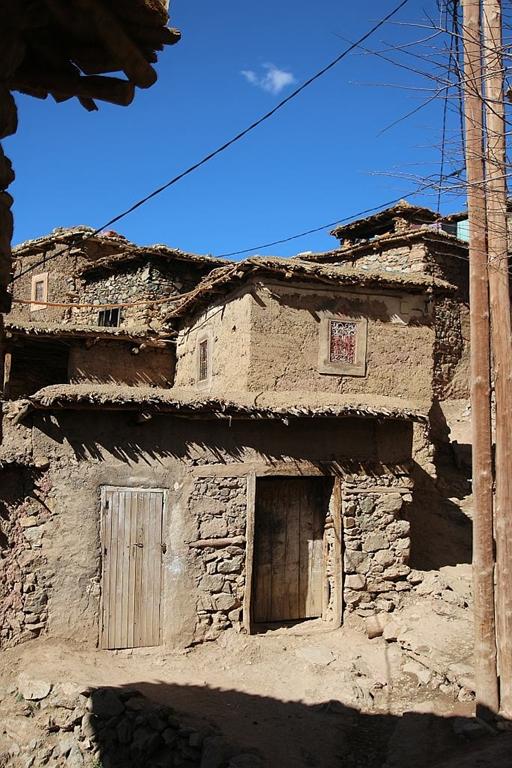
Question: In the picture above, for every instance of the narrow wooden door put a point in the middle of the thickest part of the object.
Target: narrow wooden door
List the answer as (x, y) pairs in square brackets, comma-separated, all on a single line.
[(288, 549), (131, 534)]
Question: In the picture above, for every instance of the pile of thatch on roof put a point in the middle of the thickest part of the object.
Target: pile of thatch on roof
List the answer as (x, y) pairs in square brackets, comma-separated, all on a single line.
[(223, 280), (42, 331), (130, 254), (66, 47), (190, 404), (384, 221)]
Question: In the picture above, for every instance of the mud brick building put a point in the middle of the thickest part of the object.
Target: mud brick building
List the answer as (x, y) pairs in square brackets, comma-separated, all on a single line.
[(251, 447)]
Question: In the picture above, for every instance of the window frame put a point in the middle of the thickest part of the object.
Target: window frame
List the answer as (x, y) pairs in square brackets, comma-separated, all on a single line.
[(107, 311), (41, 278), (205, 337), (328, 367)]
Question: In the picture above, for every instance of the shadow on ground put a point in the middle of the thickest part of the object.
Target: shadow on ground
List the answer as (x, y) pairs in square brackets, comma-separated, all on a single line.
[(140, 727)]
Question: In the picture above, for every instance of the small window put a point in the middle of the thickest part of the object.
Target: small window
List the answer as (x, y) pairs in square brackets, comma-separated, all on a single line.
[(39, 292), (342, 345), (109, 318), (203, 360)]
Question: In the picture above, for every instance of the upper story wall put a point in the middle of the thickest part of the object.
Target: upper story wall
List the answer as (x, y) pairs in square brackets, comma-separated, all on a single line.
[(54, 266), (224, 330), (292, 341), (405, 257), (277, 338), (131, 284)]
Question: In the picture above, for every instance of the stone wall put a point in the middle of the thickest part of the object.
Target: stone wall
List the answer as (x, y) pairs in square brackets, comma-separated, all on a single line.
[(133, 284), (406, 258), (219, 506), (451, 349), (376, 541), (25, 581), (203, 467)]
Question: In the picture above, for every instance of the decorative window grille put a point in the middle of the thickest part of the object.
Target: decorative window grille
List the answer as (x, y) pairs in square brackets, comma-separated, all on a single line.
[(109, 318), (342, 341), (203, 360)]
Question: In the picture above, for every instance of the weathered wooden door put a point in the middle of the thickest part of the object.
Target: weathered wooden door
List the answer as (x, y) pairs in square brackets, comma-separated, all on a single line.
[(131, 535), (288, 579)]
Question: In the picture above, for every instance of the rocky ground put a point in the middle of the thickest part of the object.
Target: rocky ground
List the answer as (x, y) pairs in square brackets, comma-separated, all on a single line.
[(391, 693)]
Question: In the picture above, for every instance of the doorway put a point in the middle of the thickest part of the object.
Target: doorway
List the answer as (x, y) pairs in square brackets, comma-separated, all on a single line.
[(131, 540), (289, 576)]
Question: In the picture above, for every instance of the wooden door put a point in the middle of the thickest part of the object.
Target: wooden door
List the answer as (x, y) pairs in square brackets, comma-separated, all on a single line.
[(288, 578), (131, 534)]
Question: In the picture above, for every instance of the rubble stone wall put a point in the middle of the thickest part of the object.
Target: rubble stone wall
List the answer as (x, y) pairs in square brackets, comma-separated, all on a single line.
[(62, 284), (52, 543), (140, 283), (219, 508), (25, 578), (376, 541), (404, 258), (451, 350)]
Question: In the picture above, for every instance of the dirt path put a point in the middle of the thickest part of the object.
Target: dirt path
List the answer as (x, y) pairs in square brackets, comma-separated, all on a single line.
[(323, 699)]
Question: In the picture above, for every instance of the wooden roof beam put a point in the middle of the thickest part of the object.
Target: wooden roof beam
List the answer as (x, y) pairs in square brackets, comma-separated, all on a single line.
[(116, 41), (111, 89)]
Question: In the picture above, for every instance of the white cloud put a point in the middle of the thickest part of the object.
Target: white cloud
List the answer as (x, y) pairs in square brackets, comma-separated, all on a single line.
[(272, 80)]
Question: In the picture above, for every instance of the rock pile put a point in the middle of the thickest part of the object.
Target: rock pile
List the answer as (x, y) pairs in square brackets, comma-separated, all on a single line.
[(65, 725)]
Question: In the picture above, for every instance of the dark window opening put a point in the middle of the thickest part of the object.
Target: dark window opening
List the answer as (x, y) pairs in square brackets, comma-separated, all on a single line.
[(39, 290), (35, 365), (109, 318), (203, 360)]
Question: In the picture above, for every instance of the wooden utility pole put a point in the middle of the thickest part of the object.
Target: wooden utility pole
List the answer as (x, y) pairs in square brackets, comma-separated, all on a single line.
[(483, 541), (501, 335)]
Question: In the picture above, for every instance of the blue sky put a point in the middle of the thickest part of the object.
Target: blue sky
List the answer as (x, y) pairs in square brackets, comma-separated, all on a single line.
[(320, 159)]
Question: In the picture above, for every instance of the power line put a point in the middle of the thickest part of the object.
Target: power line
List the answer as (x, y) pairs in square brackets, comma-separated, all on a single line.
[(318, 229), (239, 135)]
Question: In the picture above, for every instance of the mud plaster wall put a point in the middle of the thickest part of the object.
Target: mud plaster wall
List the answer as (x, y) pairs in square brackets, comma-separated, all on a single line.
[(285, 338), (227, 325), (202, 465), (63, 286), (121, 363)]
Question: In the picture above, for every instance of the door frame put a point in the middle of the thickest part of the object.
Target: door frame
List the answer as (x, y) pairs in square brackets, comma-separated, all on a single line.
[(149, 489), (335, 502)]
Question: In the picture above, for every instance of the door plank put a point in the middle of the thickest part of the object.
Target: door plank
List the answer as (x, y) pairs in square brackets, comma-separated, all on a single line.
[(131, 538), (289, 577), (315, 553)]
